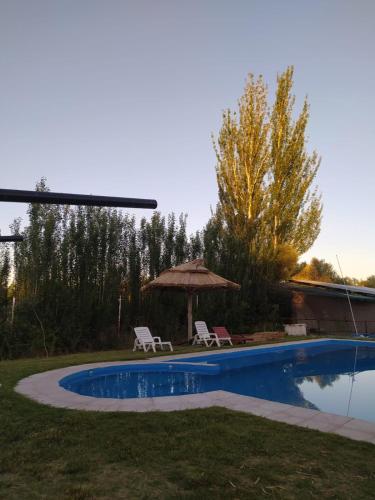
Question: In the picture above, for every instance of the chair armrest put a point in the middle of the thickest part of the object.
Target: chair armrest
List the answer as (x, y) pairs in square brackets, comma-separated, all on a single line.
[(157, 339)]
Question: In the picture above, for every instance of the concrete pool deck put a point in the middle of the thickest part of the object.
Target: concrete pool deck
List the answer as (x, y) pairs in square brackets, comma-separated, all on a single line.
[(44, 388)]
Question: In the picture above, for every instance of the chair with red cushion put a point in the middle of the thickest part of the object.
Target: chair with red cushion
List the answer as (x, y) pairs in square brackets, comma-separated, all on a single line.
[(223, 334)]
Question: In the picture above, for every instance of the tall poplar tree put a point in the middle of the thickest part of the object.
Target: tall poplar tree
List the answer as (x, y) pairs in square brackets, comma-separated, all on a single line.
[(265, 174), (294, 207), (243, 160)]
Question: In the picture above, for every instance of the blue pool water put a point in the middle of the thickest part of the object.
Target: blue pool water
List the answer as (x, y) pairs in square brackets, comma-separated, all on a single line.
[(333, 376)]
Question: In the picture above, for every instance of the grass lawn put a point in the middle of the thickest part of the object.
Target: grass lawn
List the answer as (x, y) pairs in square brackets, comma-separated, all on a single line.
[(210, 453)]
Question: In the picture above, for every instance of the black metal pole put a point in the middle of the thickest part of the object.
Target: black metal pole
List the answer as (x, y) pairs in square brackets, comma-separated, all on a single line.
[(20, 196), (9, 239)]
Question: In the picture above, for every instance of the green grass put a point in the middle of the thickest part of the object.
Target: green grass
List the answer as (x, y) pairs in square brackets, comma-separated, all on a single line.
[(50, 453)]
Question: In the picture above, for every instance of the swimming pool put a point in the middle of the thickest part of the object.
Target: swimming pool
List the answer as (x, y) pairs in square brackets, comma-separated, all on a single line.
[(333, 376)]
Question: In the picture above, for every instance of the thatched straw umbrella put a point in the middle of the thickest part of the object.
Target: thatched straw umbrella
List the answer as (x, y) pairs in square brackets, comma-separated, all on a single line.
[(191, 277)]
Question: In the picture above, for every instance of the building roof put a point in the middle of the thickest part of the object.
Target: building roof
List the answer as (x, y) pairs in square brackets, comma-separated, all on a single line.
[(332, 289)]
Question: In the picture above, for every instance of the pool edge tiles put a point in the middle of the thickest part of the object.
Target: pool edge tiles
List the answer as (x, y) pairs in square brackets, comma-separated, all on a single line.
[(279, 347), (44, 388)]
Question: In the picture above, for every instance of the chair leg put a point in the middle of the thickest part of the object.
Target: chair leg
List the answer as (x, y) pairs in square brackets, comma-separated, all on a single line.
[(149, 346)]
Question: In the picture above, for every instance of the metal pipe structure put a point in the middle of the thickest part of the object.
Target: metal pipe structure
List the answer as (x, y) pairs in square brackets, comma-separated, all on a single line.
[(20, 196), (348, 297), (11, 239)]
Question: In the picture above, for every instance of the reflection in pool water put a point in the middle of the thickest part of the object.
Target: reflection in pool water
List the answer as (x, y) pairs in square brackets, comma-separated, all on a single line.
[(336, 377)]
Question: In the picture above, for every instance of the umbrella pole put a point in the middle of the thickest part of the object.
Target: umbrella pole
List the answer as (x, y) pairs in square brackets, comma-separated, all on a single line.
[(190, 316)]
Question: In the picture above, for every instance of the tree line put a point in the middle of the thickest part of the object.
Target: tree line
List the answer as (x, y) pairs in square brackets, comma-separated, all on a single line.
[(73, 267), (320, 270), (60, 290), (77, 275)]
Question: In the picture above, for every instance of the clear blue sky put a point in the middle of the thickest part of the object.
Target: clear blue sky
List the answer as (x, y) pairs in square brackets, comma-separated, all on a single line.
[(120, 98)]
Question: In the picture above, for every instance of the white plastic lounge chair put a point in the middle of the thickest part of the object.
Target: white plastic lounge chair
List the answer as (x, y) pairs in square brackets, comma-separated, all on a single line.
[(203, 336), (144, 340)]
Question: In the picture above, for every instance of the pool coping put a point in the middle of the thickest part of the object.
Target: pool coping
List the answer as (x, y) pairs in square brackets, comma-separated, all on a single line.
[(44, 388)]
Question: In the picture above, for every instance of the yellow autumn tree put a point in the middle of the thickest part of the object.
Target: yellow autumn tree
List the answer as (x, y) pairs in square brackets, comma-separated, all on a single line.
[(265, 174), (243, 160)]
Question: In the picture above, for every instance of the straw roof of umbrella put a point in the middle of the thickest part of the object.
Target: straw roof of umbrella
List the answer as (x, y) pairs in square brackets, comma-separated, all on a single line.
[(191, 277)]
